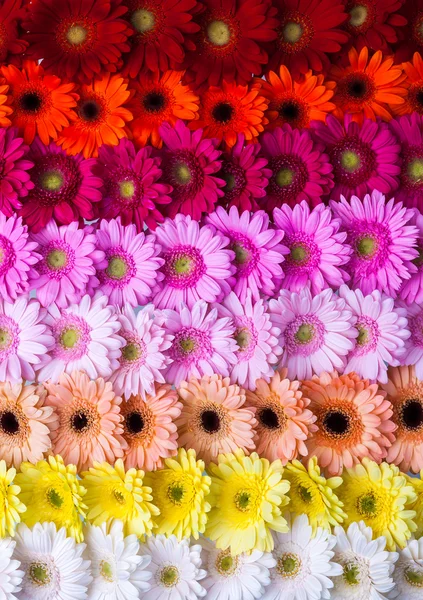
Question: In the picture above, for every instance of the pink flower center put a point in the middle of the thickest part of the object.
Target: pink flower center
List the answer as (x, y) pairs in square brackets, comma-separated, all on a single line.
[(7, 255), (246, 337), (9, 337), (120, 268), (191, 345), (72, 336), (247, 254), (353, 161), (368, 336), (184, 265), (290, 176), (304, 254), (58, 259), (304, 335)]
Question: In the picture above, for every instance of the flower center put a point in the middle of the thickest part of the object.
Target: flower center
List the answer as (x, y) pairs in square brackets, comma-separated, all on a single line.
[(414, 578), (175, 493), (226, 564), (39, 573), (210, 421), (119, 496), (79, 422), (117, 267), (299, 254), (243, 338), (305, 494), (415, 170), (243, 501), (106, 571), (57, 259), (69, 338), (358, 16), (5, 338), (182, 173), (154, 102), (51, 181), (357, 88), (218, 33), (131, 352), (89, 110), (127, 189), (187, 345), (183, 265), (367, 505), (9, 423), (289, 111), (269, 418), (169, 576), (134, 422), (366, 246), (336, 423), (222, 112), (76, 35), (351, 574), (30, 102), (350, 161), (363, 336), (242, 255), (230, 181), (418, 261), (412, 414), (54, 498), (143, 20), (284, 177), (288, 565), (305, 333), (292, 32)]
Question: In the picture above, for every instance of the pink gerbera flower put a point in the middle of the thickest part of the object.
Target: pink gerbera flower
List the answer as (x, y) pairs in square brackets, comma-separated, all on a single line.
[(409, 131), (317, 332), (258, 253), (197, 263), (412, 289), (190, 166), (382, 241), (301, 169), (15, 181), (202, 343), (130, 271), (382, 331), (413, 354), (314, 245), (67, 262), (132, 187)]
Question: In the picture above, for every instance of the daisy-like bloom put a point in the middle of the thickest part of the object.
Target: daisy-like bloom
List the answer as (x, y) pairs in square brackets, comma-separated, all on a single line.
[(11, 506), (113, 493), (411, 38), (409, 131), (175, 569), (235, 577), (353, 420), (197, 263), (53, 564), (411, 291), (51, 491), (317, 332), (247, 497), (12, 47), (301, 170), (77, 39), (257, 339), (364, 157), (180, 491), (15, 181), (214, 417), (316, 251), (5, 100), (149, 428), (41, 103), (374, 23), (408, 573), (117, 570), (10, 574), (382, 239), (101, 116), (414, 345), (367, 568), (382, 334), (414, 84), (283, 420)]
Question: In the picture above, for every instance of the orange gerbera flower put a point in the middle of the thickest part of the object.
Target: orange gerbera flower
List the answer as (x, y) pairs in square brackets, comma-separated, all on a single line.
[(41, 103), (5, 109), (101, 116), (159, 99), (414, 85), (296, 103), (229, 110), (368, 88)]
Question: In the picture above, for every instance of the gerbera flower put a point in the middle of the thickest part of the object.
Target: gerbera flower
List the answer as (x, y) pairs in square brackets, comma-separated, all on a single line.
[(382, 240), (10, 574), (85, 339), (301, 170), (11, 506), (257, 339), (52, 563), (411, 38), (413, 101), (149, 428), (101, 118), (51, 491), (214, 417), (12, 47), (374, 23), (5, 109), (314, 246), (412, 290), (417, 505), (247, 497), (408, 573), (317, 332), (77, 39), (364, 157), (197, 263), (41, 103), (15, 180), (409, 131), (414, 345), (202, 343), (283, 420)]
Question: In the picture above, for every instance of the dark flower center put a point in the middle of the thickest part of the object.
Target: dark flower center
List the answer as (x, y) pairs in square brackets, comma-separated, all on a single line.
[(210, 421), (134, 422), (412, 414), (357, 88), (9, 423), (290, 111), (336, 423), (269, 418), (89, 110), (30, 102), (154, 102), (419, 97), (223, 112), (79, 421)]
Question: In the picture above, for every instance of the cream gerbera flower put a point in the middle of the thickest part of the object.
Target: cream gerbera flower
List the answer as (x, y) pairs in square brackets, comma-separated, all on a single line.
[(10, 574), (408, 574), (10, 505)]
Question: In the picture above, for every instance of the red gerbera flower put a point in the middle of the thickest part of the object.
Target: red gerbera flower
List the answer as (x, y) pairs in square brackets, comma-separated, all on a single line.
[(11, 46), (414, 85), (411, 36)]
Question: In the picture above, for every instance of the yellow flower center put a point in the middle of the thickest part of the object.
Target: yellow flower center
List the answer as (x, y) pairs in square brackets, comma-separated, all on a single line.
[(76, 35), (117, 268), (244, 500), (69, 338), (366, 246), (131, 352), (414, 578), (176, 493), (288, 565), (106, 571), (39, 573), (5, 338), (292, 32), (225, 563), (284, 177), (169, 576), (218, 33), (119, 496), (298, 253), (358, 15), (143, 20), (350, 161), (415, 170), (242, 256), (52, 181), (54, 498), (187, 345), (367, 505), (57, 259), (305, 333), (363, 336), (126, 189), (182, 174), (351, 574), (183, 265), (305, 494)]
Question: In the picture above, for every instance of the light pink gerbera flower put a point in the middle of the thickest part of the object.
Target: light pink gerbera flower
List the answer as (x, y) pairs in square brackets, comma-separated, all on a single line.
[(382, 241), (412, 289), (85, 339), (203, 344), (197, 263), (143, 356), (382, 331), (67, 262), (314, 246), (257, 339), (317, 332), (258, 253), (414, 345)]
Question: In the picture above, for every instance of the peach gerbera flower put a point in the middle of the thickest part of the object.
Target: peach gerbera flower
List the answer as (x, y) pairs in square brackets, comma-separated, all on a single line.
[(283, 420), (149, 428), (214, 418), (90, 424), (414, 86), (353, 419)]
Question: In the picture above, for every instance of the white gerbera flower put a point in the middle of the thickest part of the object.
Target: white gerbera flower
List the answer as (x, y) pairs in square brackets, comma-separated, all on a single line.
[(175, 567), (367, 566), (241, 577), (408, 573), (119, 573), (10, 575), (52, 563), (303, 563)]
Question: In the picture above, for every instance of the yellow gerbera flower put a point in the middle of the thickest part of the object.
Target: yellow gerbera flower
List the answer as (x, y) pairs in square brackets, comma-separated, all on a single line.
[(312, 494), (113, 493), (179, 491), (52, 492), (417, 484), (247, 495), (10, 505), (381, 496)]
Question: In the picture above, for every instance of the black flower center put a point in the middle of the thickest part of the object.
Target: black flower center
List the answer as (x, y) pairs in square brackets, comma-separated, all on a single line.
[(419, 97), (412, 414), (269, 418), (89, 110), (223, 112), (30, 102), (210, 421), (289, 111), (154, 102), (336, 423), (357, 88), (134, 422), (9, 423), (79, 421)]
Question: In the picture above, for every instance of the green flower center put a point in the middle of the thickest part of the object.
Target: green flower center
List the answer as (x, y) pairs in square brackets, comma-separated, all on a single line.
[(366, 246), (363, 336), (69, 338), (305, 333), (54, 498), (284, 177), (242, 256), (414, 578), (183, 265), (288, 565), (126, 189), (367, 505), (143, 20), (175, 492), (39, 573), (218, 33), (106, 571), (187, 345), (76, 35), (57, 259), (52, 181), (131, 352), (117, 268), (226, 564), (305, 495), (292, 32), (5, 338), (243, 338), (230, 182), (415, 170), (299, 254), (351, 574), (350, 161), (419, 260), (243, 501), (169, 576), (358, 16), (182, 174)]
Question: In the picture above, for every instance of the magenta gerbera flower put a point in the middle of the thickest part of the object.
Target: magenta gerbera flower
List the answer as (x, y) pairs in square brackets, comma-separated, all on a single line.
[(413, 354), (203, 343), (364, 157), (412, 289), (132, 186), (409, 131), (190, 165), (315, 247), (197, 263), (382, 331), (382, 241), (317, 332), (301, 169), (258, 253), (15, 181)]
